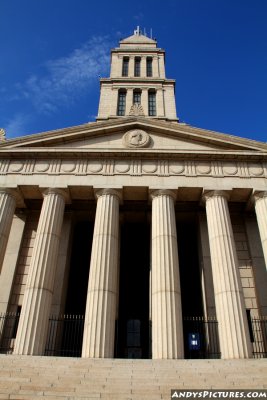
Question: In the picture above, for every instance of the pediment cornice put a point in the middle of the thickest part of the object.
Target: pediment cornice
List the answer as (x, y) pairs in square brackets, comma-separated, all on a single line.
[(224, 142)]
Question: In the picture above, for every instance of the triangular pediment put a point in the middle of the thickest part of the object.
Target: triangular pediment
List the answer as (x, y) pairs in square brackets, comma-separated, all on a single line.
[(112, 136)]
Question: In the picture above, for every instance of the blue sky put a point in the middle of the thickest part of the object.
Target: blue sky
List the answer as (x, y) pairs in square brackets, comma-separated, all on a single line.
[(53, 51)]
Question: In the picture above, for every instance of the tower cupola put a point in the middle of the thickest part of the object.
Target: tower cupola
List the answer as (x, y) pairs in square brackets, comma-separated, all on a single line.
[(137, 84)]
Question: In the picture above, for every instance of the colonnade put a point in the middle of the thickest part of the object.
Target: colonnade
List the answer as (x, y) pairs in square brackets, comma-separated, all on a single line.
[(99, 330)]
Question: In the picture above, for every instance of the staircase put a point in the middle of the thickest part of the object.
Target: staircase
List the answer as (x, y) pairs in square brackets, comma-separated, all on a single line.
[(55, 378)]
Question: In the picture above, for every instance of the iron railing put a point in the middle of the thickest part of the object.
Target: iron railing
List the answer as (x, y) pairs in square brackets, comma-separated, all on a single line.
[(8, 330), (258, 336), (65, 335), (201, 338)]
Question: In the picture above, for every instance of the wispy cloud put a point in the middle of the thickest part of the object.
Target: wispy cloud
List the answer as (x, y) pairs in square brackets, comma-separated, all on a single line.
[(17, 125), (66, 78), (139, 16)]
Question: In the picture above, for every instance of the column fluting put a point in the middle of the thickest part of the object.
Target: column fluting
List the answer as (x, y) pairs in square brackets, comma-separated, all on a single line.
[(33, 324), (261, 213), (229, 298), (99, 326), (7, 209), (167, 326)]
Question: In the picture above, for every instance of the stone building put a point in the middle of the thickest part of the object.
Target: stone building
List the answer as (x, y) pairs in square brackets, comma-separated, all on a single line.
[(153, 231)]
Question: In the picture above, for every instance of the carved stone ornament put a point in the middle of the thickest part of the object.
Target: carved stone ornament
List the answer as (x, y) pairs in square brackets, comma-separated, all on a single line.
[(137, 110), (136, 138), (2, 134)]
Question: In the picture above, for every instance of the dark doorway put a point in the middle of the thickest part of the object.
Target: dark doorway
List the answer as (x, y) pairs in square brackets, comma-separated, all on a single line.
[(79, 268), (132, 335), (192, 306), (73, 322)]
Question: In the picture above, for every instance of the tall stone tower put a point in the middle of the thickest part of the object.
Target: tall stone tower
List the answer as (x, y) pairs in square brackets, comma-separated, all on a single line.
[(137, 84)]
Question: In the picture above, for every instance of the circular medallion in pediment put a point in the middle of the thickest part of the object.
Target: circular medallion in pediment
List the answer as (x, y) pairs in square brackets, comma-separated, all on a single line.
[(136, 138)]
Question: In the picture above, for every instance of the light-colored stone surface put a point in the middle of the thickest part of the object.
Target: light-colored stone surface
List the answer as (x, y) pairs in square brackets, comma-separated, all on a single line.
[(33, 324), (7, 209), (261, 213), (177, 156), (205, 269), (99, 325), (142, 47), (257, 263), (10, 261), (26, 378), (167, 331), (230, 306), (62, 270)]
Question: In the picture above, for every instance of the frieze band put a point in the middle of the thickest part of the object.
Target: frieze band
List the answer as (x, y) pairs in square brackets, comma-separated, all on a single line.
[(111, 166)]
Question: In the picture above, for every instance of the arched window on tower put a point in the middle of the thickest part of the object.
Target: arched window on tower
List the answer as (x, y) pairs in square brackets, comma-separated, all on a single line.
[(152, 109), (149, 66), (137, 66), (121, 102), (125, 66), (137, 96)]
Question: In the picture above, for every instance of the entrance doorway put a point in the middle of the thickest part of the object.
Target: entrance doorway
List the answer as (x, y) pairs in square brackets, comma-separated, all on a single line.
[(191, 292), (132, 333)]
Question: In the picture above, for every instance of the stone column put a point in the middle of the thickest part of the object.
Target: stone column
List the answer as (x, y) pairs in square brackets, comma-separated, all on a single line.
[(7, 209), (155, 67), (229, 299), (129, 101), (114, 101), (33, 324), (131, 66), (160, 103), (144, 101), (167, 327), (143, 67), (261, 213), (100, 314), (161, 66)]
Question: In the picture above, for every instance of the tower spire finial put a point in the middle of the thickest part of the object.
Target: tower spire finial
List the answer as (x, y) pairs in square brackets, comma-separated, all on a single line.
[(137, 31)]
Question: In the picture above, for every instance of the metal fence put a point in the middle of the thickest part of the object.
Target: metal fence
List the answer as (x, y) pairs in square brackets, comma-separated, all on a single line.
[(8, 330), (201, 338), (258, 336), (65, 335)]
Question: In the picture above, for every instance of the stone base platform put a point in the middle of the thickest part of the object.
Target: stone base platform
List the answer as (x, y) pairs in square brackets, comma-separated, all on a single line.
[(58, 378)]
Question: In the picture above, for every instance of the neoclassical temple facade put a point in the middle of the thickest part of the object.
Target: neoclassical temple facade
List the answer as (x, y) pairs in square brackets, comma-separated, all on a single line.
[(137, 222)]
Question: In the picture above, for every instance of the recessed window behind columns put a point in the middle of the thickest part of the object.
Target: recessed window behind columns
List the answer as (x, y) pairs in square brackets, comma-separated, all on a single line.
[(121, 102), (125, 66), (137, 66), (149, 66), (152, 109), (137, 96)]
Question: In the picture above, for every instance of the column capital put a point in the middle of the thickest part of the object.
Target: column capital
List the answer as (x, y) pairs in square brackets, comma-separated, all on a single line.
[(108, 192), (59, 191), (207, 195), (162, 192), (257, 195), (15, 194)]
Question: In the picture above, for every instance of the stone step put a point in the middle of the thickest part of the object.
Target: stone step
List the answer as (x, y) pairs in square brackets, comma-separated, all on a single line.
[(54, 378)]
